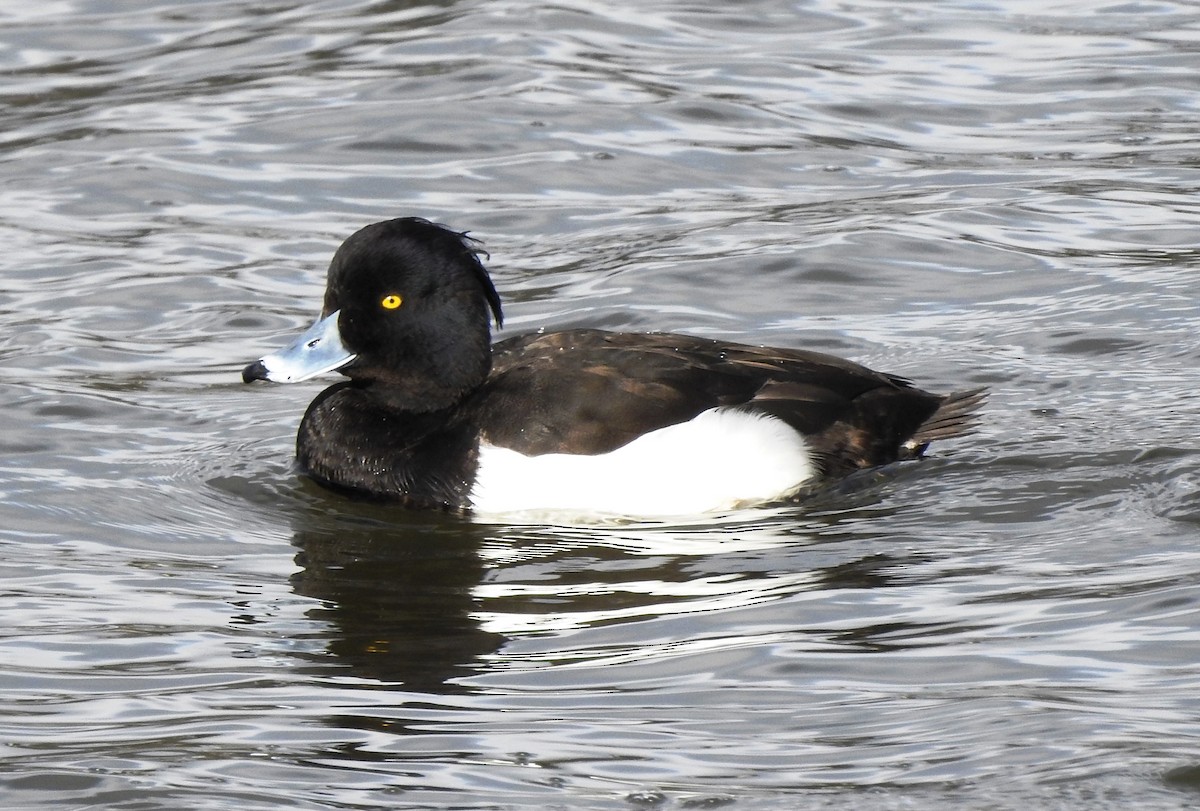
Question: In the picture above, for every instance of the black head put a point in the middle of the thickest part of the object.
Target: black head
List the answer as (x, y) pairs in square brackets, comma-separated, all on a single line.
[(415, 305)]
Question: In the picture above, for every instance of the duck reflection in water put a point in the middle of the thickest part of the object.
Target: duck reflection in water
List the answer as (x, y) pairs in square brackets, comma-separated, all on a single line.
[(399, 597), (434, 604)]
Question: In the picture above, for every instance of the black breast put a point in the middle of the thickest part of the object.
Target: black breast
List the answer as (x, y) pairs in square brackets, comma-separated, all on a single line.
[(351, 441)]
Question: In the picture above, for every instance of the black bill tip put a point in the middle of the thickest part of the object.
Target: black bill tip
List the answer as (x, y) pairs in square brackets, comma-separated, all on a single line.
[(255, 371)]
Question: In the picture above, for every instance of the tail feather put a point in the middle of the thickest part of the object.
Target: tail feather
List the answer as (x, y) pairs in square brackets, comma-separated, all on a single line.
[(957, 415)]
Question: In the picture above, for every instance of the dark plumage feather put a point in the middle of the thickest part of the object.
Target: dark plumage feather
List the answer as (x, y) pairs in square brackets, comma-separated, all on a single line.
[(589, 391)]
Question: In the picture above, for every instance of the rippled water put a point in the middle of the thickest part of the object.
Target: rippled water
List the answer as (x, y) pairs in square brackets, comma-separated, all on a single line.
[(962, 192)]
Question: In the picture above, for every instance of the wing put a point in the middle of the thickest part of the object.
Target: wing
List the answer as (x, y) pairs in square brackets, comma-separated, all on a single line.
[(590, 391)]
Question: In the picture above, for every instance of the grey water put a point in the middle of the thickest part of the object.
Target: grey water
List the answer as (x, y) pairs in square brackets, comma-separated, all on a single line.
[(965, 193)]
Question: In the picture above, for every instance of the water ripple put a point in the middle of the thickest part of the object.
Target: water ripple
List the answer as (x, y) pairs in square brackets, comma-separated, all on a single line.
[(964, 194)]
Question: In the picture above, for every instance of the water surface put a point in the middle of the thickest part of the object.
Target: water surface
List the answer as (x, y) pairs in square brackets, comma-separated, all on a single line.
[(964, 193)]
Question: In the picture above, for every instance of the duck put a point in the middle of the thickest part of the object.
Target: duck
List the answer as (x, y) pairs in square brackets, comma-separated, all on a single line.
[(432, 415)]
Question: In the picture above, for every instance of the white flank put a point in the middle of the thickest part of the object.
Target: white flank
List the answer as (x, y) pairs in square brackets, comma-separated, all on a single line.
[(719, 460)]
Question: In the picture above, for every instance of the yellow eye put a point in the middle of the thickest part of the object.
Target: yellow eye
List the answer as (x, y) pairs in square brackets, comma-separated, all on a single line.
[(391, 301)]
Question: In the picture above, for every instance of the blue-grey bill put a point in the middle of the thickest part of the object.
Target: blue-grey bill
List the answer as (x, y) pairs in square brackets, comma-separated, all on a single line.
[(318, 350)]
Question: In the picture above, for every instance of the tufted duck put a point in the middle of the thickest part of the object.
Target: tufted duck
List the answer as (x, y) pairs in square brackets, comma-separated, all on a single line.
[(435, 416)]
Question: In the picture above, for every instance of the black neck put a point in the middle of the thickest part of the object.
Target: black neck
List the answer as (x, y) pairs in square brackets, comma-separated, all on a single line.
[(355, 441)]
